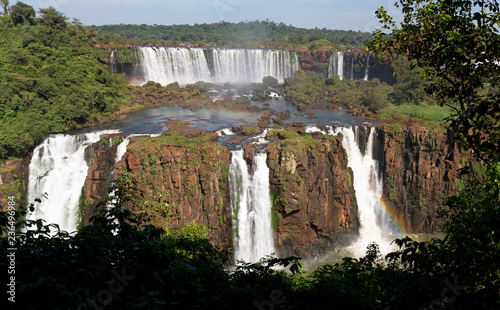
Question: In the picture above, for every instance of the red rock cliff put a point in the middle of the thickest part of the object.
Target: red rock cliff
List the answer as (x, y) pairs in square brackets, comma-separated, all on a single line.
[(313, 197), (420, 171), (179, 181)]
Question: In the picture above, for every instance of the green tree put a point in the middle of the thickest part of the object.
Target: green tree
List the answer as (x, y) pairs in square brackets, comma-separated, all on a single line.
[(457, 45), (5, 6), (372, 100), (52, 18), (21, 13)]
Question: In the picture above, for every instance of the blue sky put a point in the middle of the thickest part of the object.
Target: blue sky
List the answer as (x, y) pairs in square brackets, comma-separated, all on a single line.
[(331, 14)]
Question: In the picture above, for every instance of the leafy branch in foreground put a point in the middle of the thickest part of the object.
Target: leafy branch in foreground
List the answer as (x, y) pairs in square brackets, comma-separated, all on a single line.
[(457, 46)]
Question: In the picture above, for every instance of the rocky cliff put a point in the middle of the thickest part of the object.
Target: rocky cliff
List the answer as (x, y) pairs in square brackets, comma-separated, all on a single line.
[(99, 177), (181, 178), (313, 196), (419, 166), (14, 176)]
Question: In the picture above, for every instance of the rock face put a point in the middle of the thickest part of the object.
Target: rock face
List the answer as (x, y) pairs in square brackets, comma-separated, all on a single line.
[(14, 176), (179, 181), (420, 172), (313, 197), (99, 178), (182, 177), (314, 61)]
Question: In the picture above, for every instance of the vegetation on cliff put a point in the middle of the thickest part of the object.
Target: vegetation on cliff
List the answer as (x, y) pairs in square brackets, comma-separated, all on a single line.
[(456, 45), (50, 80), (244, 34), (371, 98)]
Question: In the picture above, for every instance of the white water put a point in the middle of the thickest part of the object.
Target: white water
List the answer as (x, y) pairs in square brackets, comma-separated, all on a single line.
[(261, 138), (367, 69), (368, 185), (58, 170), (225, 132), (336, 65), (252, 207), (312, 128), (165, 65), (122, 147), (252, 65)]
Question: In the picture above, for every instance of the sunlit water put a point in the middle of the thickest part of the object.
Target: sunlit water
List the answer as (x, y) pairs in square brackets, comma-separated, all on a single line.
[(217, 119)]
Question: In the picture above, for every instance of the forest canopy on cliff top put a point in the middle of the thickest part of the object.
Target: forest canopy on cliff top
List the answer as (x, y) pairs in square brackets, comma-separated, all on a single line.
[(243, 34)]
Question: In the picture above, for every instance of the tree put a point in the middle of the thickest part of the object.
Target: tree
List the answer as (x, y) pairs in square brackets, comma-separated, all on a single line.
[(457, 46), (372, 100), (52, 18), (21, 13), (5, 6)]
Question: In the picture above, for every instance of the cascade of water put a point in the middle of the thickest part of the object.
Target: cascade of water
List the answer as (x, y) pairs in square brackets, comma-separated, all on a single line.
[(336, 65), (58, 169), (352, 67), (225, 132), (112, 63), (340, 65), (252, 65), (331, 65), (166, 65), (367, 69), (112, 58), (251, 204), (369, 189)]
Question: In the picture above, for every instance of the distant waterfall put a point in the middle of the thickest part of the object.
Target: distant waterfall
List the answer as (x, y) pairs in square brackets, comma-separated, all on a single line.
[(367, 68), (165, 65), (59, 168), (336, 65), (252, 65), (348, 67), (252, 207)]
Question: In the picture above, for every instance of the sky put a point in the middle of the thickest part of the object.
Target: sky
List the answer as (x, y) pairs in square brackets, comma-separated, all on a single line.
[(358, 15)]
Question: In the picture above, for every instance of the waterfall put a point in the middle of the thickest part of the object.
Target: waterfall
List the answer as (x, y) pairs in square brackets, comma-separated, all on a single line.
[(112, 63), (225, 132), (252, 65), (367, 69), (252, 207), (352, 67), (165, 65), (58, 169), (112, 58), (336, 65), (368, 185)]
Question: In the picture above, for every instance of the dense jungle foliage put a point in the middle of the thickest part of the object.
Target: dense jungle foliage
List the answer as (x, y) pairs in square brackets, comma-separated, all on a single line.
[(243, 34), (50, 80)]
